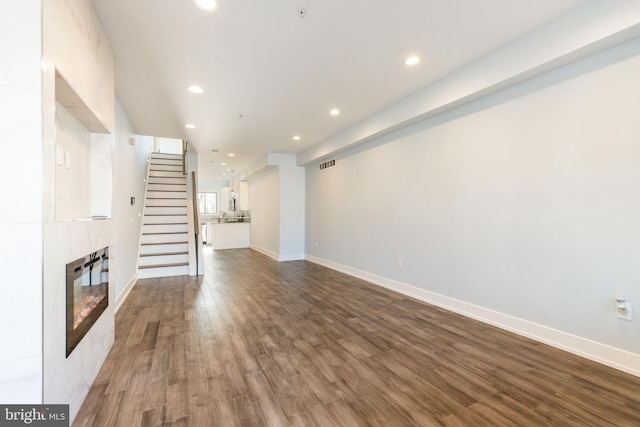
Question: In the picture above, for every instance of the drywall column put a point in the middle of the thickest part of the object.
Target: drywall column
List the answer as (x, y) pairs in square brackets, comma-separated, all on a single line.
[(21, 215), (292, 207), (277, 197)]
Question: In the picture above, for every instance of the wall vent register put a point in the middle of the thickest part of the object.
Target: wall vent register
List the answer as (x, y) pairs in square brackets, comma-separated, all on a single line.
[(328, 164)]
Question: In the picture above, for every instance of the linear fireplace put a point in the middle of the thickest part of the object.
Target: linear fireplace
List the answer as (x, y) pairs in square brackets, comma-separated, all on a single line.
[(87, 294)]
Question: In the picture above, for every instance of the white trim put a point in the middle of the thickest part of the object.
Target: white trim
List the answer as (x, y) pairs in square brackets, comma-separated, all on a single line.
[(125, 292), (607, 355), (296, 257), (266, 252), (277, 257)]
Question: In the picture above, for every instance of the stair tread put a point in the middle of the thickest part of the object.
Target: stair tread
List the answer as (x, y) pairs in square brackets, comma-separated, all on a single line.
[(164, 243), (177, 264), (164, 254), (166, 232)]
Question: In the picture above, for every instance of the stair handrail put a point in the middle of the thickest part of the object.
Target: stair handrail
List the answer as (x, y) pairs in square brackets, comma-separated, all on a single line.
[(196, 208), (184, 157), (196, 225)]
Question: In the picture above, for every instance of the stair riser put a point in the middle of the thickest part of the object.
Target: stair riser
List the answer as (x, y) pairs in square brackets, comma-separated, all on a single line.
[(166, 195), (166, 174), (159, 249), (163, 259), (165, 219), (167, 187), (171, 180), (166, 168), (162, 238), (179, 203), (157, 155), (172, 162), (148, 273), (180, 210), (164, 228)]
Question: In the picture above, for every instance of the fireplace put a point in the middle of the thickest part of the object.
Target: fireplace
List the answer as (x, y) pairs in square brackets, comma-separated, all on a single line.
[(87, 294)]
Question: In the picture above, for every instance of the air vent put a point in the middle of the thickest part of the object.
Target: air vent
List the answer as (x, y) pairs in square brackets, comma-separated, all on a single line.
[(329, 164)]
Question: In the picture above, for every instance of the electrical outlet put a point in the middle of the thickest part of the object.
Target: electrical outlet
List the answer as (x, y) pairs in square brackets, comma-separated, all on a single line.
[(316, 243), (398, 262), (626, 313)]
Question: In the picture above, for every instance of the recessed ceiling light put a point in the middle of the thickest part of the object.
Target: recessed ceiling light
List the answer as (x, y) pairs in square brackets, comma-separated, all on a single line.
[(223, 164), (207, 5), (195, 89), (412, 60), (334, 112), (230, 170), (190, 126), (297, 138), (224, 174), (231, 155)]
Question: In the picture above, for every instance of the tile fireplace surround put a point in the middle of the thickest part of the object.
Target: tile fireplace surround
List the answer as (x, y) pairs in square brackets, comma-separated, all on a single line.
[(87, 294)]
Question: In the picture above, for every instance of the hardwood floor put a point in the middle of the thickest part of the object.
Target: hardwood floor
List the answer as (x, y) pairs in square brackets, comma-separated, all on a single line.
[(258, 343)]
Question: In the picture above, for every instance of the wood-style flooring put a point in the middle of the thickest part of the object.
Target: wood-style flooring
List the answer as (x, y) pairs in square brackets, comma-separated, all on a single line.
[(260, 343)]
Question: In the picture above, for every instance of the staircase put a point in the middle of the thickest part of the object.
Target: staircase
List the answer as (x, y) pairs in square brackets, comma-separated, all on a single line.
[(164, 243)]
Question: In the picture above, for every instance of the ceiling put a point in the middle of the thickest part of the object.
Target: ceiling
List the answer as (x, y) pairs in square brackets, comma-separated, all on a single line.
[(269, 74)]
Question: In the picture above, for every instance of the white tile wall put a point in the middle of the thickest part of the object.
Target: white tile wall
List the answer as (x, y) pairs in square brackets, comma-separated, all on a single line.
[(74, 46), (21, 141), (64, 242), (21, 278), (21, 211), (20, 44), (21, 381), (65, 36)]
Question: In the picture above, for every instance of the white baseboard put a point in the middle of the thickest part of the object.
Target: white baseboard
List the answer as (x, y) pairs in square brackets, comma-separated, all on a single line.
[(296, 257), (125, 292), (267, 252), (607, 355), (277, 257)]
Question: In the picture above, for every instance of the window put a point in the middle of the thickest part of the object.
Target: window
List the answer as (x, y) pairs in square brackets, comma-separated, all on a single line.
[(208, 203)]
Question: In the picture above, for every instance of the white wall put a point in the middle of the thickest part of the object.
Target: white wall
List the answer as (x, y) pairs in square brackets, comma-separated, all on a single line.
[(264, 192), (73, 198), (167, 145), (21, 213), (101, 177), (130, 169), (522, 205)]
